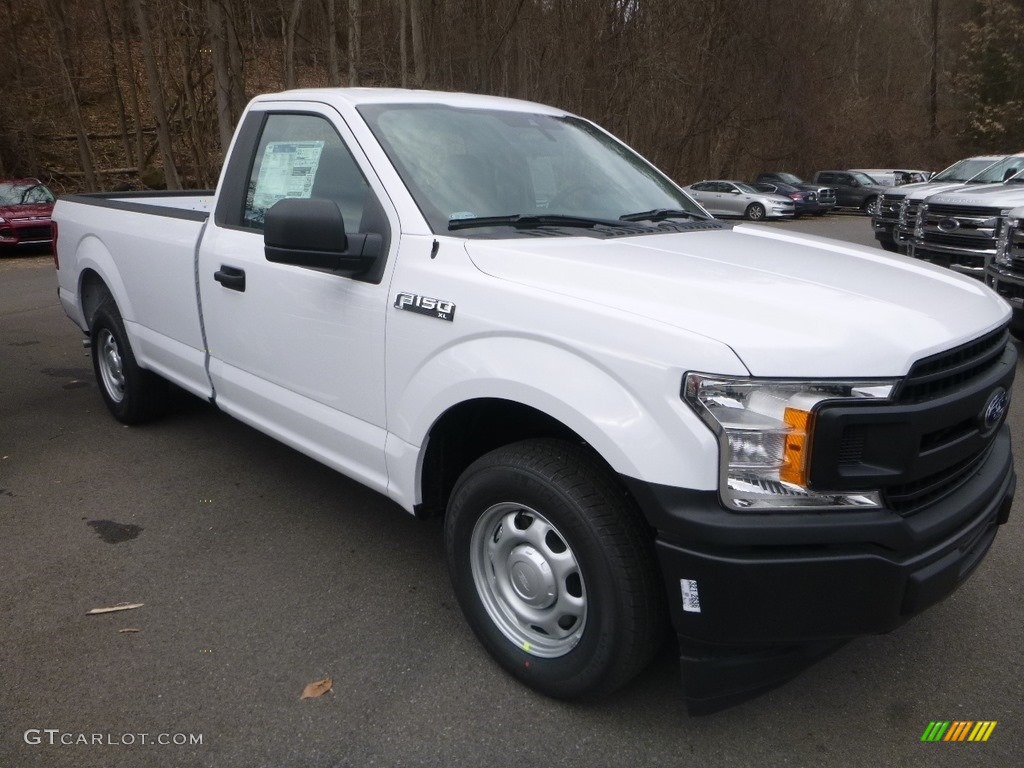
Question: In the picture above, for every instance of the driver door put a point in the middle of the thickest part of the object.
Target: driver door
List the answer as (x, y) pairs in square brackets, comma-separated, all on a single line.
[(295, 351)]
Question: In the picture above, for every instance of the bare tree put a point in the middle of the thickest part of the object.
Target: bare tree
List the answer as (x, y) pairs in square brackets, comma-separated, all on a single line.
[(163, 130), (419, 55), (289, 44), (334, 72), (355, 37), (221, 77), (57, 26)]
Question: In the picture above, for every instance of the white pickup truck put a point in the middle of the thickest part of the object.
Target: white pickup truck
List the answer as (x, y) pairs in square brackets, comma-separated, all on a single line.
[(629, 413)]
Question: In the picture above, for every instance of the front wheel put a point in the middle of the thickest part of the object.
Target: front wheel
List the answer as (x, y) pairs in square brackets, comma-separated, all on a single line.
[(554, 568), (754, 212), (132, 394)]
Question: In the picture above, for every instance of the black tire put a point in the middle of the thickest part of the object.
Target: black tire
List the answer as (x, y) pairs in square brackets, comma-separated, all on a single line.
[(548, 501), (754, 212), (870, 206), (132, 394), (889, 245)]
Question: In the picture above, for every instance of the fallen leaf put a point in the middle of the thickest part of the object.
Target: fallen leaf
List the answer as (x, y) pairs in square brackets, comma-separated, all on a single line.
[(128, 630), (113, 608), (319, 688)]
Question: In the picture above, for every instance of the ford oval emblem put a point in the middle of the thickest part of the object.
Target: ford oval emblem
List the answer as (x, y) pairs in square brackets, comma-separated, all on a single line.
[(949, 225), (995, 409)]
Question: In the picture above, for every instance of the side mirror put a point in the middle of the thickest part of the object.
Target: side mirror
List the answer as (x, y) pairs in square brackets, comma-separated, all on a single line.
[(310, 232)]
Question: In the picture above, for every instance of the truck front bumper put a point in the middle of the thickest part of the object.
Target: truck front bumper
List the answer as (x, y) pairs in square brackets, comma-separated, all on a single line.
[(966, 261), (771, 593), (1009, 284)]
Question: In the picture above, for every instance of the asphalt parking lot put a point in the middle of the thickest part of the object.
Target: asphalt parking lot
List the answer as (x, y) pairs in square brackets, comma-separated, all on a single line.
[(260, 571)]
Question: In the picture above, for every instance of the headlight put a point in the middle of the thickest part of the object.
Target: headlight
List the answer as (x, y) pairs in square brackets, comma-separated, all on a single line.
[(1011, 237), (922, 209), (765, 432)]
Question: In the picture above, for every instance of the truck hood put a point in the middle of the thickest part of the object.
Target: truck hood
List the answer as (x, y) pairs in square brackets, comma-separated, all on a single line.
[(1001, 195), (924, 189), (787, 305)]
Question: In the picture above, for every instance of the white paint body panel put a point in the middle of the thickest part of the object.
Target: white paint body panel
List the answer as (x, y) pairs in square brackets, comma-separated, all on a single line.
[(595, 333)]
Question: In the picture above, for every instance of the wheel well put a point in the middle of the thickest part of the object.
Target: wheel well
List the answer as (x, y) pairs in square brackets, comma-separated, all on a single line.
[(93, 291), (469, 430)]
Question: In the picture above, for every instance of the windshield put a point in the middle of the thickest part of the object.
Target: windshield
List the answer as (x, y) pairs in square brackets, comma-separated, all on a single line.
[(963, 170), (863, 178), (29, 193), (789, 178), (463, 164), (1001, 171)]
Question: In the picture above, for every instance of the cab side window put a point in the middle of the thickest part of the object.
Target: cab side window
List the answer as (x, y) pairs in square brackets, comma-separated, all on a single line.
[(303, 156)]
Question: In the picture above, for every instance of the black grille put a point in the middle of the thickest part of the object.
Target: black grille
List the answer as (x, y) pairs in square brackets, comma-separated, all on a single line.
[(33, 233), (938, 209), (947, 371), (920, 493), (959, 241)]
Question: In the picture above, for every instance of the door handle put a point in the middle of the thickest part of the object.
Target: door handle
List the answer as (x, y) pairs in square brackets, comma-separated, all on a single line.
[(230, 277)]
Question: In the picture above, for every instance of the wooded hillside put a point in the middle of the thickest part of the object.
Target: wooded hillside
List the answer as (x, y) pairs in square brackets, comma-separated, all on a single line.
[(105, 93)]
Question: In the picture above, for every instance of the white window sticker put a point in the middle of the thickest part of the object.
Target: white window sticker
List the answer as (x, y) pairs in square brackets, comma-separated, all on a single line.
[(691, 598), (287, 170)]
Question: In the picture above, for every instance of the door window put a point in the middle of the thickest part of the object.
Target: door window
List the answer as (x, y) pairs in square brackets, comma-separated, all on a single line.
[(302, 156)]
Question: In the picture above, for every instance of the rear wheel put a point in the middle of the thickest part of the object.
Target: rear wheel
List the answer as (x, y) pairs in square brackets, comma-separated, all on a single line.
[(554, 568), (870, 206), (755, 212), (132, 394)]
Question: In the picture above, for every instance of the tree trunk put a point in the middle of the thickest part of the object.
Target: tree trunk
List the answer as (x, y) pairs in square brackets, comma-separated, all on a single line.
[(115, 83), (289, 44), (419, 55), (355, 37), (236, 63), (334, 71), (221, 78), (163, 132), (403, 25), (133, 89), (933, 107), (55, 17)]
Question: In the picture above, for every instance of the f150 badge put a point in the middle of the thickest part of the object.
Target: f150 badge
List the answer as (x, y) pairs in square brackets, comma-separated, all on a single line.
[(424, 305)]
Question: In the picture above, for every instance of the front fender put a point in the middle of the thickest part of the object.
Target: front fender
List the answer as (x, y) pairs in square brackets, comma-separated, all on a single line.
[(640, 427)]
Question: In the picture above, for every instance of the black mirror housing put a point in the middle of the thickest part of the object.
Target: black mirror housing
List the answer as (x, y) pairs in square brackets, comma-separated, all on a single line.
[(310, 232)]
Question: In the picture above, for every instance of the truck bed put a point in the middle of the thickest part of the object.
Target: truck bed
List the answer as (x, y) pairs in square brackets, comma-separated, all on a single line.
[(152, 276)]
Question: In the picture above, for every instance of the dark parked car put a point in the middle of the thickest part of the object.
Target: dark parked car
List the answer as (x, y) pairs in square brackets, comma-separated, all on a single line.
[(853, 189), (826, 196), (25, 209), (804, 200)]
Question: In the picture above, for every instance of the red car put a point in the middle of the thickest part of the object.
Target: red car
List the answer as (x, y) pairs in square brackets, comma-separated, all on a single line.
[(25, 209)]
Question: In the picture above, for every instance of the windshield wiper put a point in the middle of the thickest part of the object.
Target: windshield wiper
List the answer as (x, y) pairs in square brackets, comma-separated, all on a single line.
[(529, 221), (660, 214)]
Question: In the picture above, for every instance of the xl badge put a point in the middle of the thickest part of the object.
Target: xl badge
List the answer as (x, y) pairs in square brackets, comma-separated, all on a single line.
[(995, 409), (424, 305)]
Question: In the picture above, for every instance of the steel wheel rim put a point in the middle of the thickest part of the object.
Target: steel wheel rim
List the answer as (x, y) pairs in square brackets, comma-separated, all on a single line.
[(529, 580), (111, 366)]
